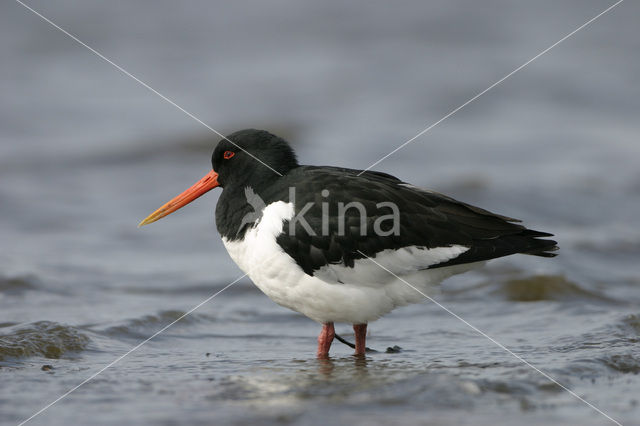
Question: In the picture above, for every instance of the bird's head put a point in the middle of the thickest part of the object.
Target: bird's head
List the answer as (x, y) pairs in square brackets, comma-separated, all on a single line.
[(247, 157), (251, 156)]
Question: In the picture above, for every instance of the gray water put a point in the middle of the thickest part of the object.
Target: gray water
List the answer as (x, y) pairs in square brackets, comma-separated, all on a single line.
[(86, 152)]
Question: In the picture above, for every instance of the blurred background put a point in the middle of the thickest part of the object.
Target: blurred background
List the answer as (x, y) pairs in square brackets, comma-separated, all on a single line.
[(86, 153)]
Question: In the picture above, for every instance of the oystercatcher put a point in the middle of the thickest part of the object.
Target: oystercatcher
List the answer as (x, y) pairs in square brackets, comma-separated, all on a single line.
[(332, 243)]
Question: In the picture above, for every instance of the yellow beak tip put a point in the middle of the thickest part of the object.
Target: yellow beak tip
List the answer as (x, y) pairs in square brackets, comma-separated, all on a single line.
[(144, 222)]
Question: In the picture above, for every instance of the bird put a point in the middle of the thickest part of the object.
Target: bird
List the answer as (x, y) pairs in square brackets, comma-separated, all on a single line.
[(341, 245)]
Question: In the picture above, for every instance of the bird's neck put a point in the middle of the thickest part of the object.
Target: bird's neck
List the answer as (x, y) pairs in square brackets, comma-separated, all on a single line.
[(240, 206)]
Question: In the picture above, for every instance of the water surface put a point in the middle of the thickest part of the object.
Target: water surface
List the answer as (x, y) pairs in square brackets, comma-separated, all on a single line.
[(86, 152)]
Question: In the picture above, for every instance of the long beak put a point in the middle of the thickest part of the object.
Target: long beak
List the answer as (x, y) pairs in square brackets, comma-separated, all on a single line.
[(204, 185)]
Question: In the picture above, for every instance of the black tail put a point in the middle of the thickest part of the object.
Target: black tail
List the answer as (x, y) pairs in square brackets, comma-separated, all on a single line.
[(535, 245), (526, 241)]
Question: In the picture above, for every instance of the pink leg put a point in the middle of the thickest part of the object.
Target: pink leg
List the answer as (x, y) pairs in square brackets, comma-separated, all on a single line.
[(324, 340), (361, 337)]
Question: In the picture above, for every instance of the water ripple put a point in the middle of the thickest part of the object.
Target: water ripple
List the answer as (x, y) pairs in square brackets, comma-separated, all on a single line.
[(42, 338), (547, 287)]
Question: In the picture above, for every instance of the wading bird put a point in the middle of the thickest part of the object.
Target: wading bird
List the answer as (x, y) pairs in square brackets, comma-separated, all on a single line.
[(341, 245)]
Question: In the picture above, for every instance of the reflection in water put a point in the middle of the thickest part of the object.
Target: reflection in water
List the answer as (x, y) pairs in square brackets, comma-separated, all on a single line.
[(325, 367), (356, 366)]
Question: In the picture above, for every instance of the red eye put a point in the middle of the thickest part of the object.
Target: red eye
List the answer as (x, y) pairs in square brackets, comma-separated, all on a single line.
[(228, 154)]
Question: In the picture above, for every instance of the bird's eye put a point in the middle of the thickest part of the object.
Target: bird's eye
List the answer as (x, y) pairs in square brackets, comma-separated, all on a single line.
[(228, 154)]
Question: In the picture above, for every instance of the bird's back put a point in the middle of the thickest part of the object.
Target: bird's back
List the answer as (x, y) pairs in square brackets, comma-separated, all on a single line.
[(407, 217)]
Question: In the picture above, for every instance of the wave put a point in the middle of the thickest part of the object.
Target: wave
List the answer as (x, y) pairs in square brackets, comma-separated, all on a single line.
[(546, 287), (18, 285), (43, 338), (630, 324), (147, 325), (623, 363)]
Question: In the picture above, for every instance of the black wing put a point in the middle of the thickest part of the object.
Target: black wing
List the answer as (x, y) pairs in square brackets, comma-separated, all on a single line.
[(426, 220)]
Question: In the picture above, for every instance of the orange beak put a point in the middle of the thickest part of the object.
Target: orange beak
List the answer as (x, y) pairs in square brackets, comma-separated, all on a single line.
[(204, 185)]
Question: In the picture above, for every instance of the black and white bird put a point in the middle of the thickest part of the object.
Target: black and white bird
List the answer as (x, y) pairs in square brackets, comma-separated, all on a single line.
[(340, 245)]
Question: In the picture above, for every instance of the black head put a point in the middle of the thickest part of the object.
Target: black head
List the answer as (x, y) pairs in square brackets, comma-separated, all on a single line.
[(252, 156), (249, 157)]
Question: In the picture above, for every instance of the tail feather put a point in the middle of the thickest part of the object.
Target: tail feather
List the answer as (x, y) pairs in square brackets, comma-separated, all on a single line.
[(527, 241), (538, 246)]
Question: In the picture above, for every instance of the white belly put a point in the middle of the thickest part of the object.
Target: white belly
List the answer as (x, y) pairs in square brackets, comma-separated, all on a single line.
[(336, 293)]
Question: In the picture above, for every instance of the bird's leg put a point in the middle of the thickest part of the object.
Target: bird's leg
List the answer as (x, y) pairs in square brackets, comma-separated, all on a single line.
[(361, 337), (324, 339)]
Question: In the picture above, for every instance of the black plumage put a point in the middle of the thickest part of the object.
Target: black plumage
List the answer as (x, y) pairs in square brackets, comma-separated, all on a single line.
[(426, 219)]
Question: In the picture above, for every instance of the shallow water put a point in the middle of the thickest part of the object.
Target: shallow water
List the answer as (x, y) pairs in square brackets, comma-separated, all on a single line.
[(85, 153)]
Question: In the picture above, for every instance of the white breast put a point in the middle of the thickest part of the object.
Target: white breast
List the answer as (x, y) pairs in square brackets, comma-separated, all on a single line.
[(336, 293)]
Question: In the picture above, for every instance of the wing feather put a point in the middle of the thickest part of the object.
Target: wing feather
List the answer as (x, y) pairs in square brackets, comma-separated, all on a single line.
[(430, 225)]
